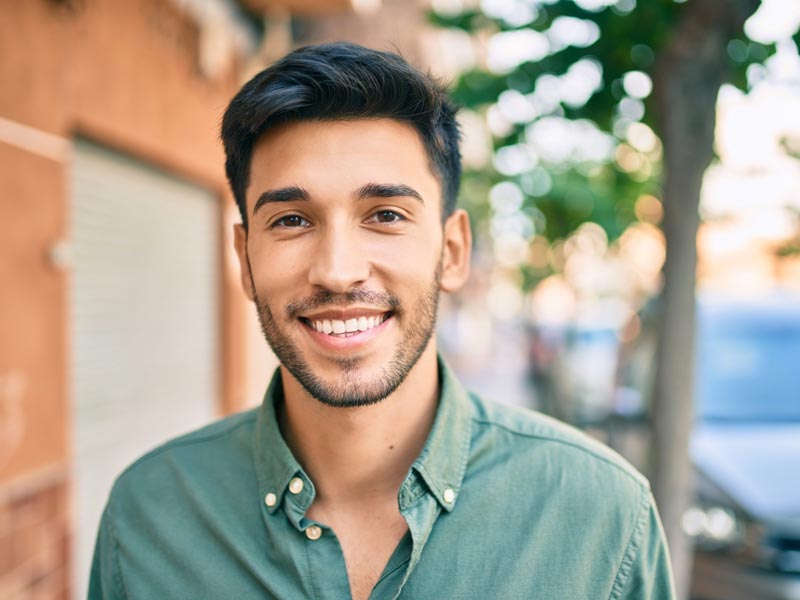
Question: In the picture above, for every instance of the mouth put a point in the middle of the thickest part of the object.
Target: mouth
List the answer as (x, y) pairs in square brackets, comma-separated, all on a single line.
[(343, 328)]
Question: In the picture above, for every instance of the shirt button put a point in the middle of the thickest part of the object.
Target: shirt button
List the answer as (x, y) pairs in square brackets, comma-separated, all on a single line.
[(296, 485), (314, 532), (449, 495), (270, 499)]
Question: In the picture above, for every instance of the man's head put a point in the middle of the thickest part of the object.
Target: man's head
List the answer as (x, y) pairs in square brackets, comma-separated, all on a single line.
[(341, 81), (347, 245)]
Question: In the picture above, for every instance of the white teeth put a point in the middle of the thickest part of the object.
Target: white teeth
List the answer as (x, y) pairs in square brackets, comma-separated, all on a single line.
[(350, 326)]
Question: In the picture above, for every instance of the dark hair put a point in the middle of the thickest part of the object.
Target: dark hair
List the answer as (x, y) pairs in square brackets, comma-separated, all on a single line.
[(342, 81)]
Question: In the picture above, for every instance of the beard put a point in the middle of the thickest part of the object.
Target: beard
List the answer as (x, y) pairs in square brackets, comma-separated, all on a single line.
[(353, 387)]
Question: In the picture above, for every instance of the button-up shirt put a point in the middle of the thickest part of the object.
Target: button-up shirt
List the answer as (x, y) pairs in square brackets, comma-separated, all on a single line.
[(501, 503)]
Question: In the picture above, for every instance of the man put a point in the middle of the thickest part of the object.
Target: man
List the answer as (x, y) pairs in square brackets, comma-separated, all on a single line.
[(368, 472)]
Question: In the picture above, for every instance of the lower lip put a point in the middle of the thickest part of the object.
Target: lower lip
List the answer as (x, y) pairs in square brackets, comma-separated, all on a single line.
[(350, 342)]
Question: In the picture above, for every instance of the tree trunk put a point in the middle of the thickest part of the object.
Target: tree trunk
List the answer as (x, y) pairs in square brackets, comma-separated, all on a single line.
[(689, 73)]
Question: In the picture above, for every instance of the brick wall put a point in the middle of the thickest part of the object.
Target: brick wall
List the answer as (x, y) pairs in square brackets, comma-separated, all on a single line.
[(124, 74), (34, 540)]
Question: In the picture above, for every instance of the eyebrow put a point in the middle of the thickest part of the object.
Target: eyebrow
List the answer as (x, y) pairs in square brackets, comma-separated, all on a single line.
[(285, 194), (294, 193), (387, 190)]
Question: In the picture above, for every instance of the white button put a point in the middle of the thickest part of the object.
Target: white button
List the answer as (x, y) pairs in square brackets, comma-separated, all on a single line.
[(314, 532), (296, 485), (270, 499), (449, 495)]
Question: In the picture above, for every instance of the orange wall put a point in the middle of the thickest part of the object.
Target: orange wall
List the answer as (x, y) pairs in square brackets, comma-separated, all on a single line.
[(125, 74), (32, 403)]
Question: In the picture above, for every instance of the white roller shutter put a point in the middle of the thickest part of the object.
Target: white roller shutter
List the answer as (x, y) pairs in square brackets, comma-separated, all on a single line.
[(144, 322)]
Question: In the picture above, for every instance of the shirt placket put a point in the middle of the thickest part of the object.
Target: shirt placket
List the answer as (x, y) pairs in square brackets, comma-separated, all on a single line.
[(325, 565), (420, 510)]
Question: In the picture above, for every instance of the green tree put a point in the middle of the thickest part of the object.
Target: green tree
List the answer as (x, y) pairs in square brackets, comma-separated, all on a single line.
[(658, 63)]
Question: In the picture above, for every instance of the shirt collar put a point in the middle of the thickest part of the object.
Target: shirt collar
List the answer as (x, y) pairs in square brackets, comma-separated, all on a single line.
[(275, 464), (443, 459), (441, 464)]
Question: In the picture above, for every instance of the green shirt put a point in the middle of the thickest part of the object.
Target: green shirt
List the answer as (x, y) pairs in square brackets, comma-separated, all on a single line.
[(501, 504)]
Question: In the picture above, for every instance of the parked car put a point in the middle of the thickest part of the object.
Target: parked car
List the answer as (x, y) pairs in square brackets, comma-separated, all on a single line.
[(746, 451), (745, 448)]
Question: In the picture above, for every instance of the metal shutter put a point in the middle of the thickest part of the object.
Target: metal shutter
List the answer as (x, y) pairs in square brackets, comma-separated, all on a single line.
[(144, 322)]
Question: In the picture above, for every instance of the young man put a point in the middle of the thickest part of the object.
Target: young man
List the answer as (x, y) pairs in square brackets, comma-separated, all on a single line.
[(368, 472)]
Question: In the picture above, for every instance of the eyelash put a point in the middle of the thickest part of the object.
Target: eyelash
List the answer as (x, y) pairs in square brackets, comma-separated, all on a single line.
[(397, 217), (281, 223)]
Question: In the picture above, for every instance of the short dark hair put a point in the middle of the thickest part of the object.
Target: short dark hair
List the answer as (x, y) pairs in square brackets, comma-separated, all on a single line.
[(338, 81)]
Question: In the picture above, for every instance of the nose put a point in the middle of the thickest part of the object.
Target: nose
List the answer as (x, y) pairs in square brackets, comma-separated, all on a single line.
[(340, 262)]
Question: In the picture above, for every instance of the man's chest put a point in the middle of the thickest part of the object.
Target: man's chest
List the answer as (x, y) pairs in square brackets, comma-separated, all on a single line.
[(368, 536), (457, 558)]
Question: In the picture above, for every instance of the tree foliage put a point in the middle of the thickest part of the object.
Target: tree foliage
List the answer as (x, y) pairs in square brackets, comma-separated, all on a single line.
[(630, 36), (657, 67)]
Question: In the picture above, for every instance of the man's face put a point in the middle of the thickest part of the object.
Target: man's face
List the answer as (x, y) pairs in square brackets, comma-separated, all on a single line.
[(344, 254)]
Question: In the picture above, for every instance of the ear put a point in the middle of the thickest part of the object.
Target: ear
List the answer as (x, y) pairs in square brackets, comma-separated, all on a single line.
[(240, 243), (456, 251)]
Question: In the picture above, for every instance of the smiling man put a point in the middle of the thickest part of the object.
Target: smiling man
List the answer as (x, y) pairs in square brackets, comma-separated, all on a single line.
[(368, 471)]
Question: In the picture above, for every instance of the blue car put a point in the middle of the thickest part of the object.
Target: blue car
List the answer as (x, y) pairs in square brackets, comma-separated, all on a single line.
[(745, 448), (746, 451)]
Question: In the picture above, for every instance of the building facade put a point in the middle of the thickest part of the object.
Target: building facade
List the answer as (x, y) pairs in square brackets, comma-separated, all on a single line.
[(122, 322), (114, 223)]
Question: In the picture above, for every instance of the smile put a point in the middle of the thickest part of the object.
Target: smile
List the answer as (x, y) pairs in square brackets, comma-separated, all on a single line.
[(346, 327)]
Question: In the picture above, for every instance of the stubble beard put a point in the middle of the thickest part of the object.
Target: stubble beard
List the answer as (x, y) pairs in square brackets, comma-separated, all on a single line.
[(353, 388)]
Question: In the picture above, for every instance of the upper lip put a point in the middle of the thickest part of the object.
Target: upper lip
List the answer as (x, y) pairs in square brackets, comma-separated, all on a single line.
[(344, 314)]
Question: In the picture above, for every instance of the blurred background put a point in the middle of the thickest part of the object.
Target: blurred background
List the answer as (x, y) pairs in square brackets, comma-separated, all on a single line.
[(633, 178)]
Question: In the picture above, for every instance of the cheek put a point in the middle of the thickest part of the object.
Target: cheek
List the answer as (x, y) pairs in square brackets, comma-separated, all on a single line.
[(416, 250), (275, 268), (407, 268), (413, 265)]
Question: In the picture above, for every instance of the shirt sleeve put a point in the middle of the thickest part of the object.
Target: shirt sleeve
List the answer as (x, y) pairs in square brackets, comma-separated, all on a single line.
[(650, 574), (105, 580)]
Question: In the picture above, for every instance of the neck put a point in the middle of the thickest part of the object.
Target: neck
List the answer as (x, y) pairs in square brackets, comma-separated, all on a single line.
[(353, 454)]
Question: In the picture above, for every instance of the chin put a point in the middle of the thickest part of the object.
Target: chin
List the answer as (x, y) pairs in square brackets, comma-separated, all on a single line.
[(352, 384)]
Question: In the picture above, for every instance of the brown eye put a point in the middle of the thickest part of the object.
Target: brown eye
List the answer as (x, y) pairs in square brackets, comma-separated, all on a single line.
[(388, 216), (291, 221)]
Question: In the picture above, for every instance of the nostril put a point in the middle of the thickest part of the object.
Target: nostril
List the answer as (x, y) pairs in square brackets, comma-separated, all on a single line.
[(336, 277)]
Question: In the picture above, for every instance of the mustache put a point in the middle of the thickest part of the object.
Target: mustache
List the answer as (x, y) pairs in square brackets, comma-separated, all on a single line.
[(327, 299)]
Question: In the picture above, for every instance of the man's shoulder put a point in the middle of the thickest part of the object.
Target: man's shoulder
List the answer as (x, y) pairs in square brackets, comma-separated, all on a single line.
[(540, 441), (222, 445)]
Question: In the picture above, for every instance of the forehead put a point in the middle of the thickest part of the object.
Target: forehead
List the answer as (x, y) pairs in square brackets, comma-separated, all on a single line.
[(325, 156)]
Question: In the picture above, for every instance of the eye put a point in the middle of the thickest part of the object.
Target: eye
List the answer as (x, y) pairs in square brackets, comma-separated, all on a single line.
[(386, 216), (291, 222)]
